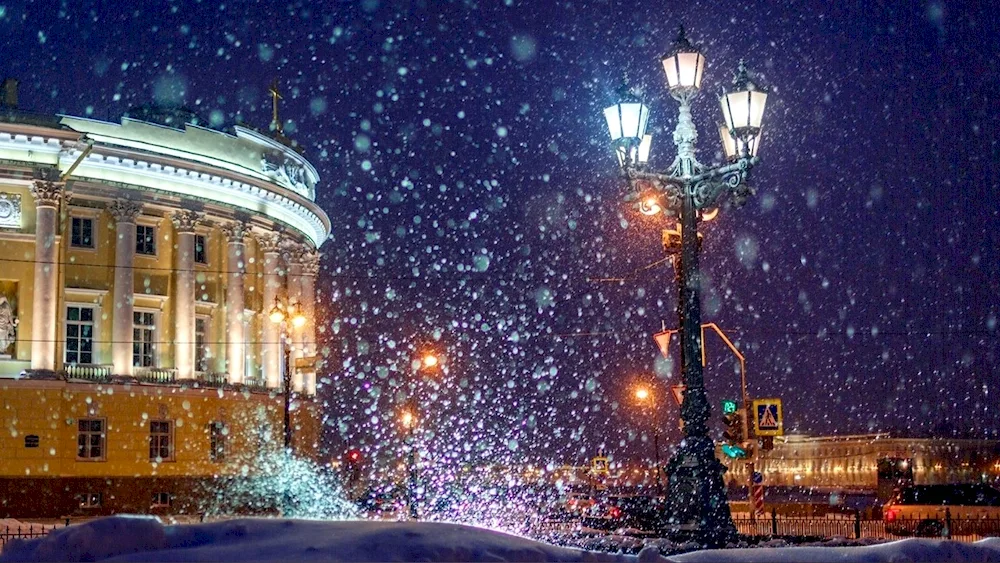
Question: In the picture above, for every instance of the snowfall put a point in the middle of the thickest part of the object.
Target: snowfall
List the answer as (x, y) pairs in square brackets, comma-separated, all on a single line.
[(143, 538)]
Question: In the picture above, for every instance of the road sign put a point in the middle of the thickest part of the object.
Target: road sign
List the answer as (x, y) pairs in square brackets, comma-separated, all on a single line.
[(757, 477), (767, 417), (758, 499), (678, 392), (662, 340)]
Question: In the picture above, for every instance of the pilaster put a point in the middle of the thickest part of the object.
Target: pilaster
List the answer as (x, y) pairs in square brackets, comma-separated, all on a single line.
[(48, 195), (124, 213), (236, 352), (184, 293)]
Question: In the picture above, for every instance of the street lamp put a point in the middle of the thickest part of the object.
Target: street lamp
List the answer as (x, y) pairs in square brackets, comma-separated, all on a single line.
[(645, 398), (690, 189), (288, 317), (409, 422)]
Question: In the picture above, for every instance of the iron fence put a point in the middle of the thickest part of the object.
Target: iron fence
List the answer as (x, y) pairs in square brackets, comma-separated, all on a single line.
[(853, 526), (24, 531)]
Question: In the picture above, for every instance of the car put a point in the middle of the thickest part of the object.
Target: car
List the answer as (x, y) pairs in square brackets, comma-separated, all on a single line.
[(943, 510), (637, 512)]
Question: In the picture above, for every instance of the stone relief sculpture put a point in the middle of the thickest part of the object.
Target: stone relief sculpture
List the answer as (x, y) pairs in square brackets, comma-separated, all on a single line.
[(8, 323)]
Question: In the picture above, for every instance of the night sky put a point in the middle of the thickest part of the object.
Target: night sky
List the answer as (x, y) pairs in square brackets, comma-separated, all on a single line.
[(465, 166)]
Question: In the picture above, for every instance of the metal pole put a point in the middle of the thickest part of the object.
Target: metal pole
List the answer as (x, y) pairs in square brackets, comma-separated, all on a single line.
[(288, 390), (412, 484), (699, 505), (656, 447)]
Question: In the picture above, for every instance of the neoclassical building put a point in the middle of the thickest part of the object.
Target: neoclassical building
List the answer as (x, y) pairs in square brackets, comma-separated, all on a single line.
[(139, 262)]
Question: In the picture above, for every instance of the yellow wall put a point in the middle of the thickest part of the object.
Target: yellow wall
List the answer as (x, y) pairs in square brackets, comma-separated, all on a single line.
[(50, 409)]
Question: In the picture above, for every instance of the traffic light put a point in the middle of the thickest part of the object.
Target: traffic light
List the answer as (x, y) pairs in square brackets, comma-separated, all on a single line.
[(352, 465), (733, 418), (353, 457)]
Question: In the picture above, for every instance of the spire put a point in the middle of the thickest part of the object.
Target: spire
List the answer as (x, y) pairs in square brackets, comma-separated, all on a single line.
[(275, 96)]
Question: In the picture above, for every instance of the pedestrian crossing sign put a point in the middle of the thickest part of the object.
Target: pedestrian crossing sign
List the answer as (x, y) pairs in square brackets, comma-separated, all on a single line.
[(768, 419)]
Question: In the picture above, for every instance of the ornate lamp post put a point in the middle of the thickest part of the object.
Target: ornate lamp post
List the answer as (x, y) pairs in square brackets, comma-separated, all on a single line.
[(288, 317), (698, 506)]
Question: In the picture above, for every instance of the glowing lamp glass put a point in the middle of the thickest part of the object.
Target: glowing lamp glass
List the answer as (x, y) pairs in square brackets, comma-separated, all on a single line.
[(298, 321), (627, 119), (684, 65), (650, 205), (734, 147), (276, 315), (636, 154), (743, 106), (684, 70)]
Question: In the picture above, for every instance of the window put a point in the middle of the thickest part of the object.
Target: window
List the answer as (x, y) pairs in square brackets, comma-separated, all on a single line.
[(199, 250), (200, 344), (90, 439), (90, 500), (82, 232), (79, 335), (143, 339), (31, 441), (145, 240), (161, 446), (160, 500), (218, 441)]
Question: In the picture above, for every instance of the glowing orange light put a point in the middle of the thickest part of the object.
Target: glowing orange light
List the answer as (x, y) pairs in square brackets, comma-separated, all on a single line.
[(709, 214), (642, 393), (430, 361), (650, 205), (408, 419)]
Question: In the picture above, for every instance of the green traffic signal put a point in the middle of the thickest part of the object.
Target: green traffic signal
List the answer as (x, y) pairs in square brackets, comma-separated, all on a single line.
[(728, 407)]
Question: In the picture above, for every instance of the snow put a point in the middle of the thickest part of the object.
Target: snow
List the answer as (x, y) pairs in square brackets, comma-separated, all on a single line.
[(141, 538)]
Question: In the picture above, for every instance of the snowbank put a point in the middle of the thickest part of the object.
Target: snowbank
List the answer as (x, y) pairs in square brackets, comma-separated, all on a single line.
[(124, 538)]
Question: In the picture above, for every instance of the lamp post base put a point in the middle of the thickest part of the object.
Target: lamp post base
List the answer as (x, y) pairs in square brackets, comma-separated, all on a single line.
[(697, 509)]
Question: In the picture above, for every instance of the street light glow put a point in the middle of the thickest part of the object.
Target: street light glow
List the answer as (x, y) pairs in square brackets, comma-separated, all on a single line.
[(430, 361), (276, 315), (650, 205), (408, 419), (642, 393)]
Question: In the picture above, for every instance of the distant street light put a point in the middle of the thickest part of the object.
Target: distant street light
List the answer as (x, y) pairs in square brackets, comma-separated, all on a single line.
[(645, 398), (289, 317), (689, 189), (429, 361), (409, 421)]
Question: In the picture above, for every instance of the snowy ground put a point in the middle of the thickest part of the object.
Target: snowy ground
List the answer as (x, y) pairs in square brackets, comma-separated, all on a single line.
[(124, 538)]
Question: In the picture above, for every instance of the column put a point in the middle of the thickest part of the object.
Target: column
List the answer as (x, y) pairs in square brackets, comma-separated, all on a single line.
[(124, 213), (310, 270), (48, 196), (293, 258), (183, 298), (235, 268), (271, 346)]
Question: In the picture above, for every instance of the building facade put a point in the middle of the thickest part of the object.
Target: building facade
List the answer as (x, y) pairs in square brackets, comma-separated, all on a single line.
[(852, 462), (139, 262)]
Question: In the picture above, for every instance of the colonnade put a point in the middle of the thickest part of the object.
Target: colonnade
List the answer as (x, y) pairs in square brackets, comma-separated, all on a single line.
[(284, 260)]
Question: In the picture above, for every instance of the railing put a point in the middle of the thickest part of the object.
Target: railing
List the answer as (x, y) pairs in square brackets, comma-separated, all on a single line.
[(24, 531), (257, 384), (854, 527), (90, 372), (156, 375), (211, 379)]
